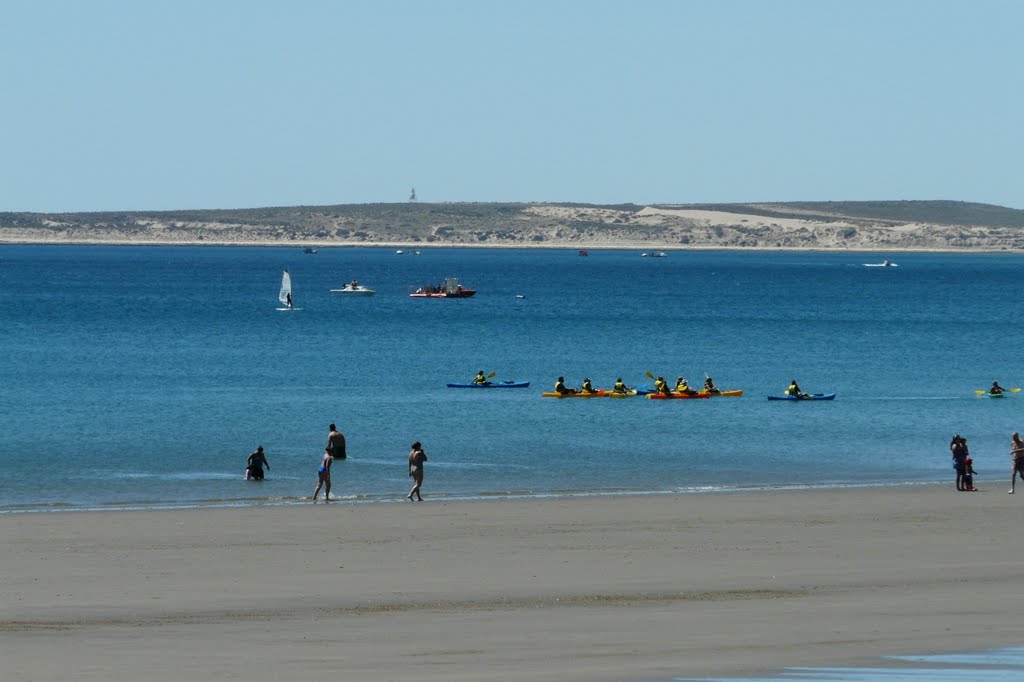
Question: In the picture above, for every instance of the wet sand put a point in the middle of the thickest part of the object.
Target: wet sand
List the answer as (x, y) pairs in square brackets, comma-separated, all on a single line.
[(601, 588)]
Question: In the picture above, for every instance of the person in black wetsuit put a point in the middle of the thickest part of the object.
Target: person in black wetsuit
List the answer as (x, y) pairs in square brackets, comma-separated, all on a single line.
[(255, 464)]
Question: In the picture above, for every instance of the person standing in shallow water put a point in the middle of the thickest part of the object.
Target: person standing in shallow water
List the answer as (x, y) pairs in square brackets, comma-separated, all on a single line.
[(1017, 461), (416, 459), (254, 465), (323, 477)]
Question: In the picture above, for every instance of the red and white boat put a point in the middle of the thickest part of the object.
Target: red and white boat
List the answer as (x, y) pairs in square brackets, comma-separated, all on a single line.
[(450, 289)]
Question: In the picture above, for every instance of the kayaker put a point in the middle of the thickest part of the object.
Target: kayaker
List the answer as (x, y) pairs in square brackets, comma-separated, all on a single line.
[(587, 386), (561, 389), (661, 386), (619, 387), (682, 386), (996, 388), (794, 390), (480, 378), (709, 386)]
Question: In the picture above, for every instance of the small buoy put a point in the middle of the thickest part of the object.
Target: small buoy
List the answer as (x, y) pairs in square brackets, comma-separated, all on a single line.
[(520, 296)]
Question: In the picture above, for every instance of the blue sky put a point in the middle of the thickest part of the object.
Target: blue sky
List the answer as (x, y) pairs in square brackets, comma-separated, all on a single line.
[(118, 105)]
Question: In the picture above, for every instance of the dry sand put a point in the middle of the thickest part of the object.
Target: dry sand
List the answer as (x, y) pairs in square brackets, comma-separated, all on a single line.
[(615, 588)]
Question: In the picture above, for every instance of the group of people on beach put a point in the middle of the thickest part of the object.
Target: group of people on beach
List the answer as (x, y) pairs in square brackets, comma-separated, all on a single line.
[(336, 449), (964, 464)]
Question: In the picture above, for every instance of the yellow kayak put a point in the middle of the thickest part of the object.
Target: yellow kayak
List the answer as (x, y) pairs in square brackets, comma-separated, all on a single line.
[(726, 394), (628, 394)]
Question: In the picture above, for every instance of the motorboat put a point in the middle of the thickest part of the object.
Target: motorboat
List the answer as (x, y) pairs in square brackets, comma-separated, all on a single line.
[(884, 264), (354, 288), (449, 289)]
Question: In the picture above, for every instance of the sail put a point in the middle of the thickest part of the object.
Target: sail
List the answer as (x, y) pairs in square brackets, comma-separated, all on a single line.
[(286, 289)]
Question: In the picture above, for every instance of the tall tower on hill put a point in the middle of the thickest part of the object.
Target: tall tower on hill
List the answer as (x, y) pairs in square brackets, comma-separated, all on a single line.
[(412, 194)]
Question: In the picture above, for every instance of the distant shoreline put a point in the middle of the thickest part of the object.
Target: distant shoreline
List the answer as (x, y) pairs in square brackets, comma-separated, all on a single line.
[(854, 227), (533, 247)]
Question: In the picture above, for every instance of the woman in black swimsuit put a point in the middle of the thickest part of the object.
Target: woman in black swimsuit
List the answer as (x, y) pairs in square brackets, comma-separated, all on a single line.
[(416, 459)]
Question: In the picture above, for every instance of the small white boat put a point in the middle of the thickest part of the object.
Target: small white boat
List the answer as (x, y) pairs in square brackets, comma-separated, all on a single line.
[(655, 254), (399, 252), (354, 288), (884, 264)]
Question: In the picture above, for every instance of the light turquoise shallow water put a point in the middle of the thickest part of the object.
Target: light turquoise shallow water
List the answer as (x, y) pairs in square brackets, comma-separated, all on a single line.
[(143, 376), (997, 665)]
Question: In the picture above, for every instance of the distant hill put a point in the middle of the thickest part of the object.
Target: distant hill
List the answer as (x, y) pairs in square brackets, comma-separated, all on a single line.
[(935, 212), (863, 225)]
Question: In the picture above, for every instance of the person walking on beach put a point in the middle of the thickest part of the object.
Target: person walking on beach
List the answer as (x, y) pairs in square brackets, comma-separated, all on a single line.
[(254, 465), (323, 477), (416, 459), (1017, 457), (336, 443)]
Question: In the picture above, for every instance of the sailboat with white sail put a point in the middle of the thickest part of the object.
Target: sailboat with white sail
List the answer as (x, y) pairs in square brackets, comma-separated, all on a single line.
[(285, 295)]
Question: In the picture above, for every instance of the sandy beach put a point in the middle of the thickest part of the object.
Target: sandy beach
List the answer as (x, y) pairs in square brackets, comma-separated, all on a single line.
[(604, 588)]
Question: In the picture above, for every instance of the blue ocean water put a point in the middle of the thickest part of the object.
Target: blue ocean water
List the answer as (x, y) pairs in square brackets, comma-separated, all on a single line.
[(143, 376), (997, 665)]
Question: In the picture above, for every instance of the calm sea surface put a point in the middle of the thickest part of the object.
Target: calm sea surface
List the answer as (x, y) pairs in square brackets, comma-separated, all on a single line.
[(143, 376)]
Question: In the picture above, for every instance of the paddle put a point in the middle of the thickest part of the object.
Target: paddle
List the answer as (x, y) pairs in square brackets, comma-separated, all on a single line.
[(649, 375), (1011, 390)]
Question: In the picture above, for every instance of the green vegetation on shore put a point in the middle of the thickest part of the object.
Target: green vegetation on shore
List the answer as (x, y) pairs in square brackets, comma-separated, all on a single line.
[(866, 225)]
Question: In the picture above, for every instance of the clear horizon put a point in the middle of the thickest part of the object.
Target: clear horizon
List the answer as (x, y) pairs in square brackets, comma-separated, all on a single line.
[(121, 106)]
